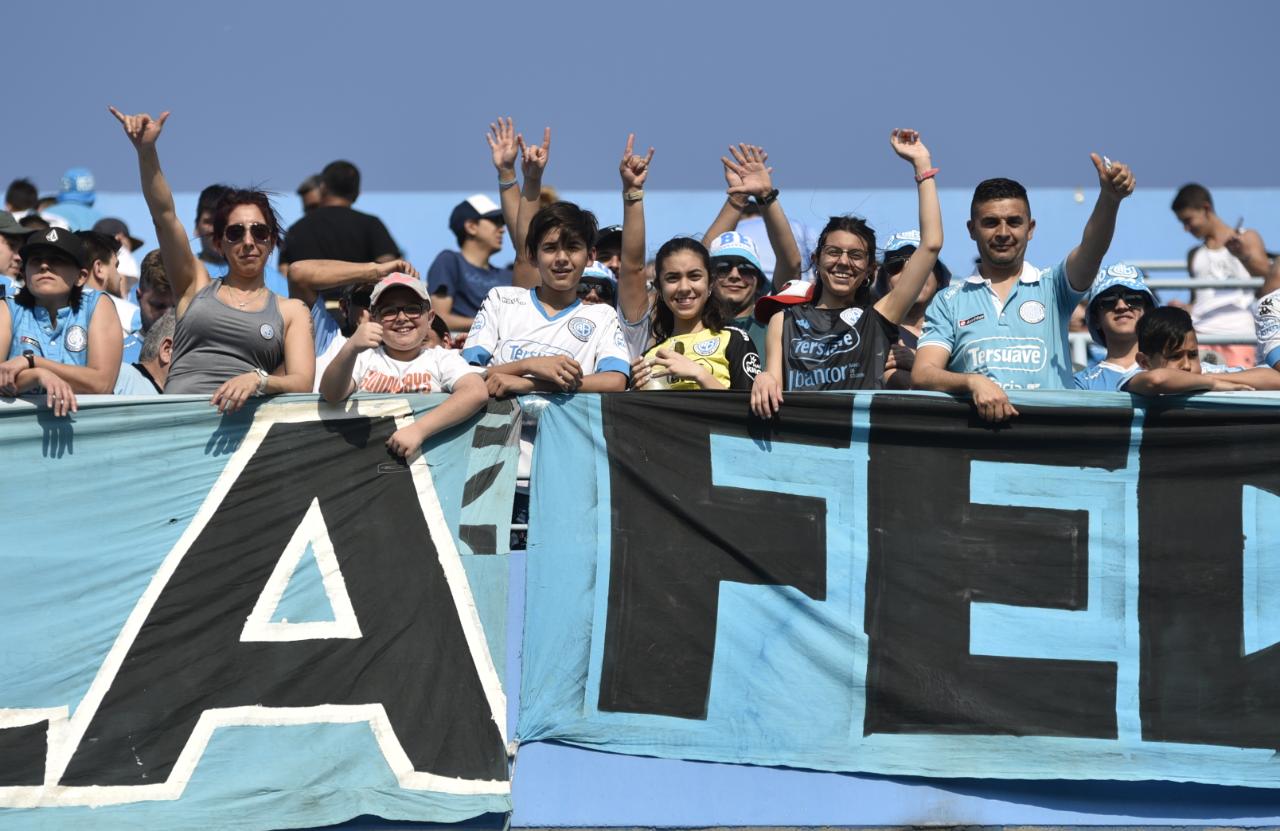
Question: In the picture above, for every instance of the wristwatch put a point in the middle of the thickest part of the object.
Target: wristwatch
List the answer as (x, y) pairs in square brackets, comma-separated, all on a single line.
[(31, 358), (263, 375), (768, 199)]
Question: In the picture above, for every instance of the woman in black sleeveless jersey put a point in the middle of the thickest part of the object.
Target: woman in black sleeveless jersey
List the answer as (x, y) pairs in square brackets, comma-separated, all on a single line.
[(235, 339), (834, 335)]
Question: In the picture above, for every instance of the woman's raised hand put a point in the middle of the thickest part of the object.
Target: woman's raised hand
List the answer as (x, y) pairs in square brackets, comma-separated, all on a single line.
[(634, 169), (142, 129), (907, 144)]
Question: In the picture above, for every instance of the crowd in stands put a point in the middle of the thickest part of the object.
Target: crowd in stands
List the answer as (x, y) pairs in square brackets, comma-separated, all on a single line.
[(754, 304)]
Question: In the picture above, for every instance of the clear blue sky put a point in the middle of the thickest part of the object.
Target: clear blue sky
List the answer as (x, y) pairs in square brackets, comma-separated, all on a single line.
[(267, 92)]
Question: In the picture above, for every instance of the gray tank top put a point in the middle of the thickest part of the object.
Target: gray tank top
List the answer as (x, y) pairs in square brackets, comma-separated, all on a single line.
[(213, 343)]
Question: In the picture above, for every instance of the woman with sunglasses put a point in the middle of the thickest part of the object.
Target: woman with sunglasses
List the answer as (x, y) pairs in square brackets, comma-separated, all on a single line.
[(235, 339), (833, 335), (391, 352)]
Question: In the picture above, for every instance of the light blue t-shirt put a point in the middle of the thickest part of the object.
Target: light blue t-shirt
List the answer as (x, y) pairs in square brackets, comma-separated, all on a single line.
[(64, 339), (1104, 377), (131, 381), (133, 338), (323, 326), (1022, 344), (79, 216)]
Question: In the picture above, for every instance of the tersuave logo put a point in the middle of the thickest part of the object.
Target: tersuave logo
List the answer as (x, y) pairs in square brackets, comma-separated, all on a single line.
[(1006, 353)]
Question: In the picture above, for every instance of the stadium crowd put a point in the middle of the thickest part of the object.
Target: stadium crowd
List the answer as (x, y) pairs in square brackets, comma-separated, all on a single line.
[(752, 305)]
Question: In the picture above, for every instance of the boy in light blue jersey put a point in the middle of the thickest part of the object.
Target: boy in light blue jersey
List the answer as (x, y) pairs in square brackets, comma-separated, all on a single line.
[(1116, 302), (1169, 354), (1005, 327)]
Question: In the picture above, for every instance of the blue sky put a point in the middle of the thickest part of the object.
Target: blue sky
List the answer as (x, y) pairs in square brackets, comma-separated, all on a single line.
[(267, 92)]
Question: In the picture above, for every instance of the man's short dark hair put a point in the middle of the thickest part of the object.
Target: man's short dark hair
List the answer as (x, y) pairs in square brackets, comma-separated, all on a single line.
[(98, 247), (151, 273), (989, 190), (1163, 330), (35, 222), (22, 195), (309, 184), (341, 179), (574, 223), (209, 199), (1191, 196)]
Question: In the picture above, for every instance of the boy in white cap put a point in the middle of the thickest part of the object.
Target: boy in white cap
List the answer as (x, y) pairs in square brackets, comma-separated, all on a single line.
[(389, 353)]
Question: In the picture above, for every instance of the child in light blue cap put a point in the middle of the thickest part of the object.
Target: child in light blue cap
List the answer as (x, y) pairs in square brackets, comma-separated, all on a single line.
[(1116, 302)]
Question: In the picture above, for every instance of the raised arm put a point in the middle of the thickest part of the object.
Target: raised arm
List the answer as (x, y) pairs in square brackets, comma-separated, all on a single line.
[(505, 148), (185, 273), (731, 212), (1115, 182), (633, 294), (312, 277), (533, 161), (749, 162), (915, 272)]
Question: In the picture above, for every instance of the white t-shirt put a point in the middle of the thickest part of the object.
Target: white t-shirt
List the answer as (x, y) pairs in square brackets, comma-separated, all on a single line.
[(326, 357), (129, 313), (434, 370), (513, 325), (1222, 312)]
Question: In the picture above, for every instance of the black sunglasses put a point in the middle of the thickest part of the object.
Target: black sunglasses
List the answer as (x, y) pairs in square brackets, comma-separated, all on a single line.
[(1132, 299), (260, 231), (722, 268), (603, 290), (894, 266)]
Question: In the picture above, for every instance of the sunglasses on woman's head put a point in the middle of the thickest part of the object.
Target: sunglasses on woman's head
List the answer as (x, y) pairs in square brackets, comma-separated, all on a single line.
[(260, 231)]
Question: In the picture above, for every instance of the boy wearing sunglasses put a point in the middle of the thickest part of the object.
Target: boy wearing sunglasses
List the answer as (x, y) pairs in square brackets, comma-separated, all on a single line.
[(1117, 301), (737, 281), (389, 353), (598, 285)]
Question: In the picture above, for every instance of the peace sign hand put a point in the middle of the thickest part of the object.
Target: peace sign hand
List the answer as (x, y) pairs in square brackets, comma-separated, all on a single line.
[(748, 164), (502, 141), (1115, 179), (634, 169), (534, 156), (142, 129)]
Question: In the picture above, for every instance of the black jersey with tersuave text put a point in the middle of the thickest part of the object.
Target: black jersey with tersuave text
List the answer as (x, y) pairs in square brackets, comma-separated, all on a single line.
[(834, 349)]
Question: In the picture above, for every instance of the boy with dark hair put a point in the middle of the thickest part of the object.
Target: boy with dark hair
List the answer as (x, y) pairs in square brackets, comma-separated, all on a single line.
[(21, 197), (214, 263), (102, 255), (1169, 355), (1224, 313), (1115, 305), (1005, 326)]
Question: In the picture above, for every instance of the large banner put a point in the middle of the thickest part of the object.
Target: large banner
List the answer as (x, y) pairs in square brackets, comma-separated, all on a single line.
[(253, 621), (883, 583)]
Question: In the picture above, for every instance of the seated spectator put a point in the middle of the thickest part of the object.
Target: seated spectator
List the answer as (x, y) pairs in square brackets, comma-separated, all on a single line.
[(902, 355), (598, 285), (1006, 325), (76, 196), (388, 352), (59, 335), (1169, 354), (544, 338), (146, 375), (1222, 313), (234, 338), (335, 230), (155, 298), (129, 268), (695, 349), (104, 274), (1116, 303), (311, 192), (21, 198), (460, 280), (12, 236), (834, 334)]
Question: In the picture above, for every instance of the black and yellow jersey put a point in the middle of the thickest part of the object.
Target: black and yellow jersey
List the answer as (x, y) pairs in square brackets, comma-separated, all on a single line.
[(728, 354)]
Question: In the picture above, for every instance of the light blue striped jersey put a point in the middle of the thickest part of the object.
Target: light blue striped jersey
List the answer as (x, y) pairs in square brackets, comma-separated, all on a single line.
[(1104, 377)]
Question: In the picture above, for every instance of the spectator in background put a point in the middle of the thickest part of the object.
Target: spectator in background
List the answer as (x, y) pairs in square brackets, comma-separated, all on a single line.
[(1005, 327), (389, 352), (104, 274), (214, 263), (155, 299), (1169, 354), (21, 198), (460, 280), (129, 269), (598, 285), (1115, 304), (902, 356), (234, 338), (311, 192), (1266, 319), (12, 237), (76, 196), (147, 373), (35, 222), (1218, 312), (335, 230), (609, 248), (59, 335)]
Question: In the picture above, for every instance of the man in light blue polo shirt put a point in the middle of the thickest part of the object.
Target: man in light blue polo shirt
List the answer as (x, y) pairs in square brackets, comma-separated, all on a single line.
[(1005, 327)]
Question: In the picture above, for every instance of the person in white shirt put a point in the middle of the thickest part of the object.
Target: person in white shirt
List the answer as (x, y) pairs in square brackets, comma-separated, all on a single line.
[(104, 274), (388, 353)]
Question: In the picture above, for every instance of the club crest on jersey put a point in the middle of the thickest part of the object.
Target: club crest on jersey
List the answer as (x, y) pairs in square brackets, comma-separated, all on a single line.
[(77, 339), (1031, 311), (581, 328), (751, 364), (267, 331), (851, 315), (707, 348)]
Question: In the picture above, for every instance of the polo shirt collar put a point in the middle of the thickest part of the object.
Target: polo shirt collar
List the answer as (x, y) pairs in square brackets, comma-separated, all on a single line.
[(1030, 274)]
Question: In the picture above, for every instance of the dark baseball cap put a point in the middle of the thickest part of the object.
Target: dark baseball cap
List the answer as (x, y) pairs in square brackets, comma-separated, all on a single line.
[(112, 226), (610, 234), (10, 227), (477, 206), (61, 240)]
